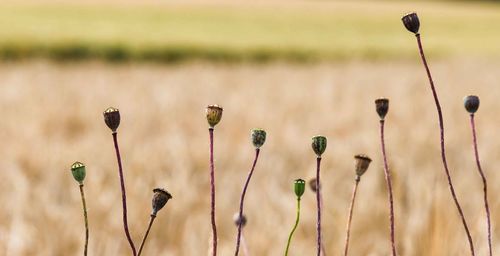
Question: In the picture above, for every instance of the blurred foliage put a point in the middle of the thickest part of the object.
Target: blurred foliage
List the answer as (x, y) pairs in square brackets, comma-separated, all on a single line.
[(244, 32)]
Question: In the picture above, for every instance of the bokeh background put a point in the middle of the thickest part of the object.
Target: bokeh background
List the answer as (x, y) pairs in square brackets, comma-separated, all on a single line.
[(294, 68)]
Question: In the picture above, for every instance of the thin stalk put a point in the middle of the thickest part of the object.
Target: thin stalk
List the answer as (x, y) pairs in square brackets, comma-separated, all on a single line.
[(244, 245), (147, 233), (238, 238), (323, 251), (124, 196), (318, 202), (443, 152), (212, 193), (389, 188), (294, 227), (349, 219), (483, 177), (86, 221)]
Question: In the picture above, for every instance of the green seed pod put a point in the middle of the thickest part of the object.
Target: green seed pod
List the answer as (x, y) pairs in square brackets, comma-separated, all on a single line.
[(382, 107), (78, 171), (471, 103), (299, 186), (112, 118), (160, 198), (411, 22), (258, 137), (214, 115), (319, 145), (362, 162)]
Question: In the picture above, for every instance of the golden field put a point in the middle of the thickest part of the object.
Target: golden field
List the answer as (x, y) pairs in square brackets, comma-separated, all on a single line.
[(51, 116)]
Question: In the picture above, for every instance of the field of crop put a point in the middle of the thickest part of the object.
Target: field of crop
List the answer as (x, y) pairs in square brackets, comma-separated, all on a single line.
[(242, 31), (326, 63), (52, 116)]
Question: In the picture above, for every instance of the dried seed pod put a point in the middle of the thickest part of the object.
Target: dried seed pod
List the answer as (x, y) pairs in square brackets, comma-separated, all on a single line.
[(312, 185), (78, 171), (382, 107), (299, 186), (411, 22), (471, 103), (237, 220), (319, 145), (258, 137), (214, 115), (160, 198), (112, 118), (362, 162)]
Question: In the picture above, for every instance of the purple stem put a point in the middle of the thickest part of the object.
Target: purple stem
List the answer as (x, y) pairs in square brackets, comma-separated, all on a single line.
[(483, 177), (238, 238), (389, 187), (349, 219), (443, 153), (318, 202), (147, 233), (212, 192), (124, 196)]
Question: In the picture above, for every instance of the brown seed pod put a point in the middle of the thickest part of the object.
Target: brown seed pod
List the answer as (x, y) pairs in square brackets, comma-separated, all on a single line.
[(214, 115), (160, 198), (112, 118)]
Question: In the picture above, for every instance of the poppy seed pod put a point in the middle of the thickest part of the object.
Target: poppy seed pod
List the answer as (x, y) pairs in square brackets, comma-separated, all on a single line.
[(319, 145), (160, 198), (411, 22), (312, 185), (258, 137), (362, 162), (237, 220), (471, 103), (214, 115), (78, 171), (112, 118), (382, 107), (299, 186)]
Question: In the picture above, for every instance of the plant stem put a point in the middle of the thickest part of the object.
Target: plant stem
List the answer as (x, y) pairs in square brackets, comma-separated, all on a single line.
[(257, 151), (323, 253), (86, 221), (147, 233), (318, 202), (124, 196), (349, 219), (294, 227), (212, 192), (443, 152), (483, 177), (244, 245), (389, 187)]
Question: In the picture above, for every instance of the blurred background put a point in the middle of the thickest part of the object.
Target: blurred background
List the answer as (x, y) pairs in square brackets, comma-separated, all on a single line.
[(293, 68)]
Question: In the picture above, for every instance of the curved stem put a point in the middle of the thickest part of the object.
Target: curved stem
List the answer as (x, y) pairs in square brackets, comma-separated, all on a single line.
[(124, 196), (349, 219), (86, 221), (389, 187), (212, 193), (483, 177), (147, 233), (443, 152), (294, 227), (318, 203), (238, 238)]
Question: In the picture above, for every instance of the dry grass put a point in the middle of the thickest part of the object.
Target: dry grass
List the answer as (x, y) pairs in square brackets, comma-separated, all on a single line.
[(51, 116)]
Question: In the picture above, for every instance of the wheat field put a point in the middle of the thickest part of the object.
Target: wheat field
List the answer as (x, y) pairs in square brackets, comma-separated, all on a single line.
[(51, 116)]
